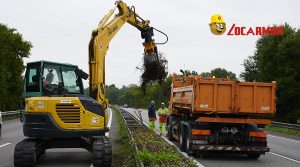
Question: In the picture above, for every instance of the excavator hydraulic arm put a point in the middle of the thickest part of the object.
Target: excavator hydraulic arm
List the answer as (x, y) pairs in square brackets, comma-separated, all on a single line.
[(99, 44)]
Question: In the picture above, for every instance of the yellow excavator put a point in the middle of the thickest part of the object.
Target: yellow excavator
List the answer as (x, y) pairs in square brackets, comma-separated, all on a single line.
[(55, 111)]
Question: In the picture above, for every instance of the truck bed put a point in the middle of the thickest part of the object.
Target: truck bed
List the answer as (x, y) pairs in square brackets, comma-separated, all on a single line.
[(222, 96)]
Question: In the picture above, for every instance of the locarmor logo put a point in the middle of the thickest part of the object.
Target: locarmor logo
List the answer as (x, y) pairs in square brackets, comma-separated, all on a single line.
[(218, 27)]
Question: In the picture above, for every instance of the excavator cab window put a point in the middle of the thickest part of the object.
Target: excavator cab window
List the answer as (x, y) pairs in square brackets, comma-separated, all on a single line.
[(60, 80), (48, 78), (51, 79), (71, 80), (32, 77)]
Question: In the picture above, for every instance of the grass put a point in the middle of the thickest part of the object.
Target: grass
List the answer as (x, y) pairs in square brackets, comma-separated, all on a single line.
[(161, 158), (6, 118), (123, 155), (154, 151), (283, 130)]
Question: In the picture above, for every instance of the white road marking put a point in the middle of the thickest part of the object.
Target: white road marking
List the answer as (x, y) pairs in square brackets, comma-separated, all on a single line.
[(284, 138), (110, 118), (285, 157), (109, 122), (5, 145)]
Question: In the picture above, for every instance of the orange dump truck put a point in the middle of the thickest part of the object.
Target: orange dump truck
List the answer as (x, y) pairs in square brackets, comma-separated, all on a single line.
[(220, 115)]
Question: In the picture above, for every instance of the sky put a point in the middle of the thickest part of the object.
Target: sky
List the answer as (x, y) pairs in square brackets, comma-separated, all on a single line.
[(60, 31)]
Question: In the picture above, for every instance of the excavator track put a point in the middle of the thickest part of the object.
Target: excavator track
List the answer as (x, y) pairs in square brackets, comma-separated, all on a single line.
[(102, 152), (26, 153)]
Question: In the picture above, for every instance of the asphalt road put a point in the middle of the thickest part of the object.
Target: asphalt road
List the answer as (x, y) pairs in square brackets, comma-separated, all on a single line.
[(13, 133), (285, 152)]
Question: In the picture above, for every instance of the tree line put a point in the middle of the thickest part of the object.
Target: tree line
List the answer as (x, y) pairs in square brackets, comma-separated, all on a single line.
[(136, 97), (276, 58), (13, 48)]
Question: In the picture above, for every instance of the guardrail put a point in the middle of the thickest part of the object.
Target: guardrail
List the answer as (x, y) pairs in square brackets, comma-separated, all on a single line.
[(131, 123), (274, 123), (286, 125), (10, 113)]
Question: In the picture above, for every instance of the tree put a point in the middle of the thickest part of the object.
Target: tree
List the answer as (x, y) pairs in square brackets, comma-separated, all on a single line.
[(134, 96), (13, 48), (219, 73), (278, 58), (250, 66), (112, 93), (206, 74), (222, 73)]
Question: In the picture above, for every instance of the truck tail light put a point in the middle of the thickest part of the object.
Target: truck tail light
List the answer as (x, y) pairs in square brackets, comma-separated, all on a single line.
[(200, 132), (258, 136), (200, 136)]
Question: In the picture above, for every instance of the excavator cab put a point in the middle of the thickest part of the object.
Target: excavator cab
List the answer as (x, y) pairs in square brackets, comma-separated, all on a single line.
[(55, 105), (45, 78)]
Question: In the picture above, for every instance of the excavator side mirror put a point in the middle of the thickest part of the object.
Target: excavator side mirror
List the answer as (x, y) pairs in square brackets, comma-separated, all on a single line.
[(81, 74)]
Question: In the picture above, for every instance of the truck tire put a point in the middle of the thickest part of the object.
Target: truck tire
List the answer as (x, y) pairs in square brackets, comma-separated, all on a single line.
[(188, 150), (253, 156), (102, 152), (169, 128), (25, 154), (182, 139)]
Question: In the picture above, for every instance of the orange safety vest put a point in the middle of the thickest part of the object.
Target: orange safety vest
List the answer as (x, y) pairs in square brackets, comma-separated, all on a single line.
[(163, 113), (163, 118)]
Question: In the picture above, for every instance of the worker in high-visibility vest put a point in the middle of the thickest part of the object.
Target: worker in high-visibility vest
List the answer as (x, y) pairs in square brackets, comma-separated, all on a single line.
[(152, 115), (163, 113)]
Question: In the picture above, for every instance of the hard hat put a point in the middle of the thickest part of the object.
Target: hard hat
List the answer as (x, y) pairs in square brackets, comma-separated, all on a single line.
[(152, 101), (162, 103), (217, 18)]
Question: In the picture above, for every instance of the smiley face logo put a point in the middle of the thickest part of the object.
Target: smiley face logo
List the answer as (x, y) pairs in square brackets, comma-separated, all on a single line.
[(217, 25)]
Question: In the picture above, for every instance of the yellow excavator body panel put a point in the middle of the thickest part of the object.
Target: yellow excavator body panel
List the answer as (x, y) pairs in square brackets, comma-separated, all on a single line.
[(67, 112)]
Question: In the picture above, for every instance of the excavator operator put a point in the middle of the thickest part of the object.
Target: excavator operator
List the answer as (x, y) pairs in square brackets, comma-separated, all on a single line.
[(47, 87)]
